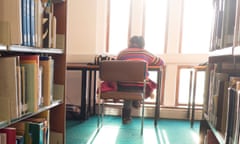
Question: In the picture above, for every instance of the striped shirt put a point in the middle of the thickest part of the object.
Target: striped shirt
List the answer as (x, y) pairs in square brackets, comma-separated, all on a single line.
[(140, 54)]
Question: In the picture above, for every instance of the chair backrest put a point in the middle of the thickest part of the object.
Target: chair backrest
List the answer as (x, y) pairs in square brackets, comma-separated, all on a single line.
[(123, 70)]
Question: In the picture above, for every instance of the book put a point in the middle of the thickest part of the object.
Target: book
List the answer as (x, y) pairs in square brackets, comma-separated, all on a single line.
[(8, 83), (45, 118), (48, 71), (212, 99), (5, 114), (38, 23), (20, 139), (3, 138), (23, 91), (32, 23), (230, 115), (28, 22), (10, 18), (40, 86), (206, 88), (228, 23), (24, 22), (19, 89), (236, 124), (5, 33), (234, 83), (34, 132), (54, 32), (221, 94), (224, 107), (11, 134), (31, 69), (38, 127)]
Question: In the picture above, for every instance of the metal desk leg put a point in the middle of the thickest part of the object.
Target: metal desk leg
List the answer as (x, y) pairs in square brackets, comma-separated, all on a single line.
[(83, 113), (190, 96), (89, 110), (194, 96), (94, 92), (157, 104)]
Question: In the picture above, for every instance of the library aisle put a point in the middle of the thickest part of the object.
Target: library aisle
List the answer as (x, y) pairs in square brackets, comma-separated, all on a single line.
[(114, 132)]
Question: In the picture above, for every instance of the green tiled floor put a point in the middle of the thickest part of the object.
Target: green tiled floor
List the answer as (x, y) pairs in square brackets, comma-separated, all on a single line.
[(114, 132)]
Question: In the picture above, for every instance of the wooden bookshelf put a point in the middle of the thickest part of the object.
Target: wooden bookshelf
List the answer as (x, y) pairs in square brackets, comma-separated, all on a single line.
[(218, 135), (223, 60), (55, 111)]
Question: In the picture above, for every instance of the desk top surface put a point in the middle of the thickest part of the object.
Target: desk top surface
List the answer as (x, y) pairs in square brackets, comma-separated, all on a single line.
[(76, 66)]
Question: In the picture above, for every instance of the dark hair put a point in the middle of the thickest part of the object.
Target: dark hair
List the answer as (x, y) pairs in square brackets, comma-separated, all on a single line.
[(136, 42)]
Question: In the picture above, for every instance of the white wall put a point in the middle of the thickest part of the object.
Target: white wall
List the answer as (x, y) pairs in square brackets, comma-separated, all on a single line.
[(81, 29)]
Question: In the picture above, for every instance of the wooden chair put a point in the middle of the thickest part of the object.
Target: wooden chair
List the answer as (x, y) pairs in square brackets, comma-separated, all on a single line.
[(127, 72)]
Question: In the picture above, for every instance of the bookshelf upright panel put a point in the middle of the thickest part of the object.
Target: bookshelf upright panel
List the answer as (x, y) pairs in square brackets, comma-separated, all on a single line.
[(32, 84)]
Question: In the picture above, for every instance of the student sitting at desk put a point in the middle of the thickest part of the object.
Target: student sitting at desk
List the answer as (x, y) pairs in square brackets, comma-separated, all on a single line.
[(136, 51)]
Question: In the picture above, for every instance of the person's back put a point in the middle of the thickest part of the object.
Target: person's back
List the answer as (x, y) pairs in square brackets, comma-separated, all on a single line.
[(136, 51)]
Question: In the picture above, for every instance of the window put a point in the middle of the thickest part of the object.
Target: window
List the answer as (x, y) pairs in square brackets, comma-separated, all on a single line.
[(119, 16), (197, 22), (155, 25), (184, 76)]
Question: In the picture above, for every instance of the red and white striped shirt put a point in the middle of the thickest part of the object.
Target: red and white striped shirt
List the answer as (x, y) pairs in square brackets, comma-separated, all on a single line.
[(140, 54)]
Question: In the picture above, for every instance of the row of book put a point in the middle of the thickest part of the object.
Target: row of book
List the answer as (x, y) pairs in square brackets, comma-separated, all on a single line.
[(222, 103), (28, 23), (29, 131), (38, 24), (26, 84), (225, 32)]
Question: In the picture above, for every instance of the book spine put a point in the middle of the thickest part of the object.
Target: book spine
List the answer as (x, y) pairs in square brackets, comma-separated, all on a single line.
[(32, 23), (11, 134), (24, 22), (28, 23)]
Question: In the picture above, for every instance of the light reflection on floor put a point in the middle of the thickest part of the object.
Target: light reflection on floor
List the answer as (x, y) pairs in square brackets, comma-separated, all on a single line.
[(113, 132)]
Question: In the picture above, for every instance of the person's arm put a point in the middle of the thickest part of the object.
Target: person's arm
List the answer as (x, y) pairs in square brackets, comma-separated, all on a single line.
[(154, 60), (157, 61)]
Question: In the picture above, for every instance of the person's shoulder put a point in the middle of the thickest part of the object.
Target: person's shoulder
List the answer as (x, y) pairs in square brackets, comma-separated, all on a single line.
[(123, 51)]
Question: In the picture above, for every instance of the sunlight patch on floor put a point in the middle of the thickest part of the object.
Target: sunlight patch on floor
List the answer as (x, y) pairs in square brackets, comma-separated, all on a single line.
[(110, 134), (165, 137), (195, 136), (107, 134)]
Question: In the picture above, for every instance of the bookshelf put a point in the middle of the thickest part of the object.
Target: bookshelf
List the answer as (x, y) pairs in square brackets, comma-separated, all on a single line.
[(50, 79), (221, 92)]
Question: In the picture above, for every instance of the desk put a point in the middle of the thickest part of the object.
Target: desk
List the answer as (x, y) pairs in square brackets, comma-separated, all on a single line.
[(196, 69), (86, 105)]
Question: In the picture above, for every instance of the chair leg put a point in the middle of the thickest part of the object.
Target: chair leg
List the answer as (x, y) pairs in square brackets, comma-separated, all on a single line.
[(102, 113), (142, 120), (99, 114)]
